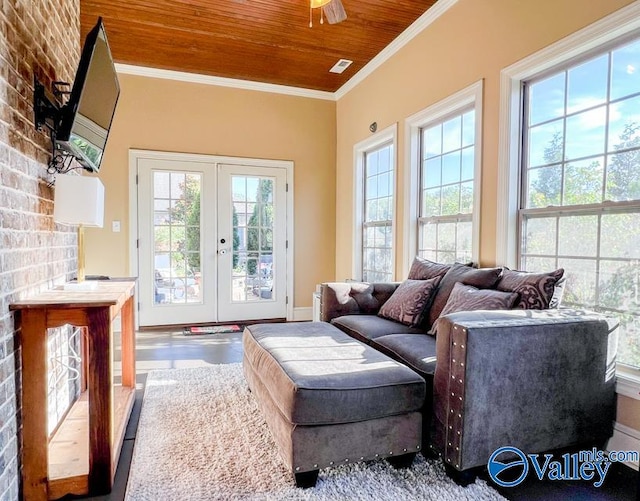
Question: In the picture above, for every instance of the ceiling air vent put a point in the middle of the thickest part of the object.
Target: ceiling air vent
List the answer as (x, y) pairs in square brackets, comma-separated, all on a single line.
[(340, 66)]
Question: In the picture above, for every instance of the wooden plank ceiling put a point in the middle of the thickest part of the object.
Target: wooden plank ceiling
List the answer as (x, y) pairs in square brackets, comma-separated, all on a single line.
[(259, 40)]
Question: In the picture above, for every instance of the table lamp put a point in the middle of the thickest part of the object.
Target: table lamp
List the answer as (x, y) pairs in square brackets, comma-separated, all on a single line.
[(79, 200)]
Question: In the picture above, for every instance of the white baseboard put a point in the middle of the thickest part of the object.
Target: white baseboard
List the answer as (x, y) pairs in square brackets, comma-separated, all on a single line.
[(624, 439), (301, 314)]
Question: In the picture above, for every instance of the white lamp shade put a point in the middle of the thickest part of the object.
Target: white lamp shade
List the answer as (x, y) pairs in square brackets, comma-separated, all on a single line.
[(79, 200)]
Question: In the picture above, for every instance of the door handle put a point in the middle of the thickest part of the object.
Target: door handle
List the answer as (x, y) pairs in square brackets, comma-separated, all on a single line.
[(222, 252)]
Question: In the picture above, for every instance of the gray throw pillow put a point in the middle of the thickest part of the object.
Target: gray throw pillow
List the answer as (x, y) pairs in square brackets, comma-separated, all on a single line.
[(410, 302), (482, 278), (536, 289), (423, 269)]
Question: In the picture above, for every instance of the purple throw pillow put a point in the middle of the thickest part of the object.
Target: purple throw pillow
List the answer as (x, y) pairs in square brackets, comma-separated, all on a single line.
[(482, 278), (535, 289), (410, 302), (468, 298), (423, 269)]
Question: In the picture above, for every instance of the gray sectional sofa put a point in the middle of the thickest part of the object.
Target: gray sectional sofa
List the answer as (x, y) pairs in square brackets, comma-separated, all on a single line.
[(535, 379)]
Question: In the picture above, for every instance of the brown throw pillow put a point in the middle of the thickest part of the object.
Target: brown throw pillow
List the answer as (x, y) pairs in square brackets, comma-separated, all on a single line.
[(535, 289), (468, 298), (482, 278), (410, 302), (423, 269)]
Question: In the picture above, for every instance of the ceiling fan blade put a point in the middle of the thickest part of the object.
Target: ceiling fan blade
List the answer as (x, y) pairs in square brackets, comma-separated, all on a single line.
[(334, 12)]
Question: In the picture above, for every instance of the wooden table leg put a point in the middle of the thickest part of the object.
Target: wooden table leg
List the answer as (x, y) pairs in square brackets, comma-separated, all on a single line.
[(35, 453), (128, 344), (100, 401)]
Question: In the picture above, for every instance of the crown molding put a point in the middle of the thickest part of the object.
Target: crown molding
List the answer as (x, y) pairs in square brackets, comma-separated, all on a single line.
[(182, 76), (419, 25), (434, 12)]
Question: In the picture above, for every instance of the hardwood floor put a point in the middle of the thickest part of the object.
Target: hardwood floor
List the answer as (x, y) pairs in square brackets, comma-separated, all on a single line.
[(172, 350)]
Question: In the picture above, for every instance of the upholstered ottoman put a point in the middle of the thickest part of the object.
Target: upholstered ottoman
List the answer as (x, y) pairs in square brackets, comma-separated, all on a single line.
[(329, 399)]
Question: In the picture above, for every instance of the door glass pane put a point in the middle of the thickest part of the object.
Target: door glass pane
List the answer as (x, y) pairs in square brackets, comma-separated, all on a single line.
[(176, 248), (253, 227)]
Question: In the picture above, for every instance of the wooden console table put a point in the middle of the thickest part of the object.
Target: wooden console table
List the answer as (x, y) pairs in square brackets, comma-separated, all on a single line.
[(82, 456)]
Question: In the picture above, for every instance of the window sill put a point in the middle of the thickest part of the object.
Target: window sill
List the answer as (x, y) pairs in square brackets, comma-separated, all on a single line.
[(628, 382)]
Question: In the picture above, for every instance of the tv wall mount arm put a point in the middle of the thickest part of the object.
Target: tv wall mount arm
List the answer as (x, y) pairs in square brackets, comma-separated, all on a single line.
[(47, 115)]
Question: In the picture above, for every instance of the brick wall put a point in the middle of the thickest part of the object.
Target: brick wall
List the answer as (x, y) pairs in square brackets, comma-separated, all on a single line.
[(42, 38)]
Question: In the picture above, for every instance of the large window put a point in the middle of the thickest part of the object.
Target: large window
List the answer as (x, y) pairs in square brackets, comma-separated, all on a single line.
[(377, 226), (374, 201), (446, 189), (580, 193), (442, 214)]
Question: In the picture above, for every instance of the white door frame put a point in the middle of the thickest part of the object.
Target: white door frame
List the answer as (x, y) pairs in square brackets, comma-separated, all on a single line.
[(135, 154)]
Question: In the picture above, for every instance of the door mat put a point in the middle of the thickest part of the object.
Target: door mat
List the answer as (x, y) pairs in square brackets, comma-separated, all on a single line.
[(211, 329)]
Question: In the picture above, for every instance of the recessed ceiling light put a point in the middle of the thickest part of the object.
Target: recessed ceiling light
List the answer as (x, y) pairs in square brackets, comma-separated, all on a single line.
[(340, 66)]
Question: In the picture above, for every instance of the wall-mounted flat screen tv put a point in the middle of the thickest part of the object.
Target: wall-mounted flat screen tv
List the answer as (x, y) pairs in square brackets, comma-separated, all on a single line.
[(86, 118)]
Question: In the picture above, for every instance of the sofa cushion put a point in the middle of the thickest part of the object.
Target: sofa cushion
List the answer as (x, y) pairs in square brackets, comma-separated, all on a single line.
[(536, 290), (410, 303), (367, 327), (423, 269), (482, 278), (418, 351)]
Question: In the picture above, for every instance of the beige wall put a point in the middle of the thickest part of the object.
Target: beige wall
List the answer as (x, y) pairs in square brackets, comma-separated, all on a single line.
[(472, 41), (165, 115)]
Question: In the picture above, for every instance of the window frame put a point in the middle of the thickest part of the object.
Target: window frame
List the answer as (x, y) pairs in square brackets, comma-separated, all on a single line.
[(389, 135), (462, 101), (597, 37)]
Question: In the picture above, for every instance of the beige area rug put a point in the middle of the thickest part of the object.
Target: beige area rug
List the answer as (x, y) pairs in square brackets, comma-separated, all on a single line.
[(201, 436)]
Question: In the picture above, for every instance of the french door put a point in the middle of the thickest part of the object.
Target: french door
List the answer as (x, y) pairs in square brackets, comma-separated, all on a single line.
[(251, 236), (212, 241)]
